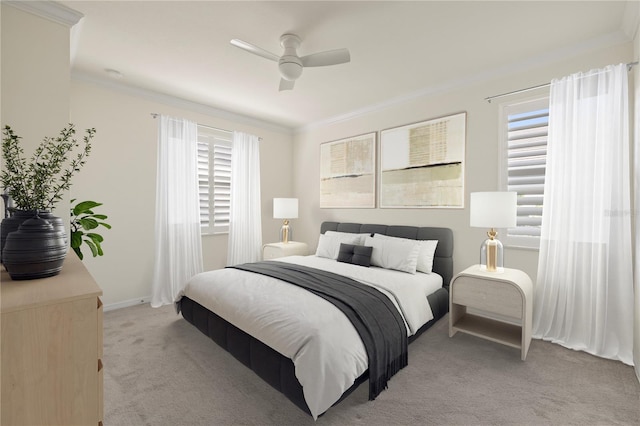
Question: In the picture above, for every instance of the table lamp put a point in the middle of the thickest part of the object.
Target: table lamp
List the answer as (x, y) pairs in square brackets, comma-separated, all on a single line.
[(493, 210), (285, 208)]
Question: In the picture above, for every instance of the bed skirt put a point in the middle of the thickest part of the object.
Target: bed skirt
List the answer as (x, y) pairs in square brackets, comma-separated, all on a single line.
[(271, 366)]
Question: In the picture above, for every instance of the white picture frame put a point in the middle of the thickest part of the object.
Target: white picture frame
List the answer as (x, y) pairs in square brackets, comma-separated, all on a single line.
[(348, 172), (422, 165)]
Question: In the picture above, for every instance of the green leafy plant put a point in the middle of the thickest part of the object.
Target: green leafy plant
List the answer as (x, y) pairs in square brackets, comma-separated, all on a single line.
[(84, 219), (39, 183)]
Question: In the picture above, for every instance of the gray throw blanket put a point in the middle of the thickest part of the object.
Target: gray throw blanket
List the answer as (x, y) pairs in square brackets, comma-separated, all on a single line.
[(373, 315)]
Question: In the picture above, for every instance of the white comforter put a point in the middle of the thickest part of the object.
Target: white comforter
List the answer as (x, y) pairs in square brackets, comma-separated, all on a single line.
[(325, 348)]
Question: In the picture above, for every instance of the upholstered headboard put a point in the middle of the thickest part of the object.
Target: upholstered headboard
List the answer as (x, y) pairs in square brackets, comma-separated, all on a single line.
[(443, 260)]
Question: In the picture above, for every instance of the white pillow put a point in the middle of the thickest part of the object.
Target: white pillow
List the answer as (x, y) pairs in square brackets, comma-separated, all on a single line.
[(329, 245), (398, 253), (361, 237), (427, 252)]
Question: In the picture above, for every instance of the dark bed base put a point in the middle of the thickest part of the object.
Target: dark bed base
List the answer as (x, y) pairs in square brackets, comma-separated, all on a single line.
[(278, 370), (271, 366)]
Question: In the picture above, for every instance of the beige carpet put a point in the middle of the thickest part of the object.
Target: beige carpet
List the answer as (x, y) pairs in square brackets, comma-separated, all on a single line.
[(160, 370)]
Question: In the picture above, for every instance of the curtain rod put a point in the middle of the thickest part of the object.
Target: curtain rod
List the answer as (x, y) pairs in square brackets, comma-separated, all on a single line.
[(155, 115), (540, 86)]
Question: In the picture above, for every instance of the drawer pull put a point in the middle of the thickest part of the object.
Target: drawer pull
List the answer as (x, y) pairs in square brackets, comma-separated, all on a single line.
[(99, 365)]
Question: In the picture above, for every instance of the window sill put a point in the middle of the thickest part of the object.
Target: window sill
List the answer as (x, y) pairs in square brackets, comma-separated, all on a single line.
[(517, 247), (213, 234)]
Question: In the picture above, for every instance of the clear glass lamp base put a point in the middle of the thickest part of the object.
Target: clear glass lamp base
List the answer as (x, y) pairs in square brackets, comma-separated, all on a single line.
[(492, 256)]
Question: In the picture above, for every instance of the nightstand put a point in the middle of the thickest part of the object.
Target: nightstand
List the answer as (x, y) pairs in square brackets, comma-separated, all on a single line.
[(502, 304), (275, 250)]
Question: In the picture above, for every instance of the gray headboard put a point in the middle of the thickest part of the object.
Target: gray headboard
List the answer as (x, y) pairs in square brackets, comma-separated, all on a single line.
[(443, 260)]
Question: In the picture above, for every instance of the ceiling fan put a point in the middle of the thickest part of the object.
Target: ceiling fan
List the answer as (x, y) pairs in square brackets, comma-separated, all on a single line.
[(290, 64)]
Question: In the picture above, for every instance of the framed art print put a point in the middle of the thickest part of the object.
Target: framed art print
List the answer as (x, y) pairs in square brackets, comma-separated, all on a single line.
[(422, 164), (347, 172)]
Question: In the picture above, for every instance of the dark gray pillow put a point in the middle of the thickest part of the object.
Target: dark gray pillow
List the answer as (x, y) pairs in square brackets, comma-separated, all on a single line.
[(358, 255)]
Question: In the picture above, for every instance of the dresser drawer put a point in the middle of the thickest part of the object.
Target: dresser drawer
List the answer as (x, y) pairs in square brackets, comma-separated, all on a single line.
[(494, 296)]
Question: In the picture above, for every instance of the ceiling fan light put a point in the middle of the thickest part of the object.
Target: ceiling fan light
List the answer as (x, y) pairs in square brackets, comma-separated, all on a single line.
[(290, 70), (290, 64)]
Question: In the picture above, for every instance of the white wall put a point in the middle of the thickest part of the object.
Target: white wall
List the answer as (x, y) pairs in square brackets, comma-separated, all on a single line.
[(35, 79), (481, 155), (121, 173)]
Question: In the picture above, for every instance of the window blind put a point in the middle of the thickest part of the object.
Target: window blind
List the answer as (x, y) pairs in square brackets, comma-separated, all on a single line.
[(214, 179), (203, 182), (221, 185), (526, 154)]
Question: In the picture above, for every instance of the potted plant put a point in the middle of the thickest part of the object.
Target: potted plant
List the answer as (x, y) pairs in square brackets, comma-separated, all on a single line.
[(84, 219), (35, 186)]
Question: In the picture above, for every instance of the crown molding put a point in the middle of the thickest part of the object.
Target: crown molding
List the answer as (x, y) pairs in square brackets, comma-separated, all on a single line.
[(602, 42), (50, 10), (179, 103)]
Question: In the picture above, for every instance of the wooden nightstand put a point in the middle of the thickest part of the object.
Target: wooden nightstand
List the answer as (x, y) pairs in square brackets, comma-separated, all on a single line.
[(275, 250), (507, 295)]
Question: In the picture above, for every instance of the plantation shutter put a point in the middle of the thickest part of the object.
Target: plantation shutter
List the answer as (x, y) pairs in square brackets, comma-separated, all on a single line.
[(526, 155), (214, 179), (221, 185), (203, 183)]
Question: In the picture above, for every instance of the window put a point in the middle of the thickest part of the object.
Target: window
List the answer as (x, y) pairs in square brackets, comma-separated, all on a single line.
[(523, 164), (214, 179)]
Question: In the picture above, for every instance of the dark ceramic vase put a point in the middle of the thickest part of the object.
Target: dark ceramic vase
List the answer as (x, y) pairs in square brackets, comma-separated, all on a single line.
[(35, 250), (13, 222)]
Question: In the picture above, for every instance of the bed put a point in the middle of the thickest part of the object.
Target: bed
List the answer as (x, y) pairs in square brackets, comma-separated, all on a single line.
[(214, 307)]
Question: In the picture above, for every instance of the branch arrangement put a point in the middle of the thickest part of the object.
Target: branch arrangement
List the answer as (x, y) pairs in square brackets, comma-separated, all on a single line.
[(38, 184)]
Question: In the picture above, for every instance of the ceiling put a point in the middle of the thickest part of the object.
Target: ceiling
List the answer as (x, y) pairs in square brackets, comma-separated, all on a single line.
[(398, 49)]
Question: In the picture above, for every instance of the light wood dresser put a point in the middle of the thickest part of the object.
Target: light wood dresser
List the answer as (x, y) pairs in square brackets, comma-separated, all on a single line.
[(503, 302), (51, 365)]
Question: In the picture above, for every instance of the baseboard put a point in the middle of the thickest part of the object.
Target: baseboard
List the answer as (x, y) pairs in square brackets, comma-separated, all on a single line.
[(127, 303)]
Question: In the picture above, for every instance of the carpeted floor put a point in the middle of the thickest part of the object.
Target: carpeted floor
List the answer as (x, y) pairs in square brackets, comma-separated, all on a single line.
[(160, 370)]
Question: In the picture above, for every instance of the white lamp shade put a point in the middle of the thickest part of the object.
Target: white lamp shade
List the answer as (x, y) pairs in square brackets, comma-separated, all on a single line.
[(285, 208), (493, 209)]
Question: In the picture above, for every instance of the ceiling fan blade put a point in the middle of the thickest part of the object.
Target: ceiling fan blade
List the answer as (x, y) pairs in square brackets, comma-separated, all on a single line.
[(286, 84), (330, 57), (254, 49)]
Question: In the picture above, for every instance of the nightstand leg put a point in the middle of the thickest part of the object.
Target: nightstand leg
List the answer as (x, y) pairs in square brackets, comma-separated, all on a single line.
[(455, 313)]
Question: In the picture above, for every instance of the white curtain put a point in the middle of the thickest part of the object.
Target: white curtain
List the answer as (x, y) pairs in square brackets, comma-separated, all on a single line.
[(584, 292), (245, 226), (636, 168), (178, 245)]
